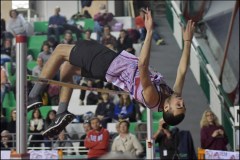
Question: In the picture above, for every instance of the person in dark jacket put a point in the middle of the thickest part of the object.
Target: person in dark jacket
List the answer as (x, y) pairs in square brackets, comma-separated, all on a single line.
[(125, 43), (105, 110)]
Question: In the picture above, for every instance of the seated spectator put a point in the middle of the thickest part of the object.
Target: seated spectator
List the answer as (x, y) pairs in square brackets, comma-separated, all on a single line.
[(87, 128), (92, 97), (213, 135), (8, 50), (12, 123), (68, 38), (88, 33), (125, 109), (64, 141), (36, 126), (52, 43), (5, 85), (126, 142), (166, 139), (46, 53), (105, 110), (97, 139), (125, 43), (38, 69), (140, 24), (108, 38), (5, 138), (16, 23), (55, 24), (4, 123), (51, 115), (101, 19)]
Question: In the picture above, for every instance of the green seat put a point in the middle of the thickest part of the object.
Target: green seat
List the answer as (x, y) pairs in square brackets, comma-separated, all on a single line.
[(41, 26), (34, 44), (87, 23), (132, 127), (34, 52), (31, 65), (155, 115), (9, 100)]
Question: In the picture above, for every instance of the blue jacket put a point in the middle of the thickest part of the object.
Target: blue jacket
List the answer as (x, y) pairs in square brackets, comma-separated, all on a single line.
[(118, 108)]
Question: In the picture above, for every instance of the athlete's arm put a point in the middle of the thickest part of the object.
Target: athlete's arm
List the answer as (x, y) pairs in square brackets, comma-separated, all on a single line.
[(184, 61), (150, 93)]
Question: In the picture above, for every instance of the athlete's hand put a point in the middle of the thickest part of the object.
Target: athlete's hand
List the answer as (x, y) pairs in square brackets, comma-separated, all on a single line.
[(148, 20), (189, 30)]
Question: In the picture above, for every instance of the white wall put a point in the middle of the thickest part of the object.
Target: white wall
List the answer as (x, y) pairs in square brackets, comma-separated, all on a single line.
[(45, 9)]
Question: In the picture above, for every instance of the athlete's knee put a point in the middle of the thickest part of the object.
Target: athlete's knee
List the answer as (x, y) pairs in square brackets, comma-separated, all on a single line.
[(63, 50)]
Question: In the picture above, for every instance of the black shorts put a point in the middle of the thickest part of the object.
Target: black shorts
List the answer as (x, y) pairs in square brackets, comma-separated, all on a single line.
[(93, 58)]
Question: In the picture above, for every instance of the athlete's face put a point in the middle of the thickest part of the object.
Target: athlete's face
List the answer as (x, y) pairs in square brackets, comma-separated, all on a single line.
[(175, 105)]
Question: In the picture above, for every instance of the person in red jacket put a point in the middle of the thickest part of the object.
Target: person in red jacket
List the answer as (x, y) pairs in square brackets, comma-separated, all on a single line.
[(139, 23), (97, 140)]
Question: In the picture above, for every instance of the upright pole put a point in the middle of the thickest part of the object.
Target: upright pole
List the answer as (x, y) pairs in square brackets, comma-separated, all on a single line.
[(21, 88), (149, 142)]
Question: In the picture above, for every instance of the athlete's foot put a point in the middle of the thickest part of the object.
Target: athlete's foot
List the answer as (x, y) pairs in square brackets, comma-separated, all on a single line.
[(61, 121), (33, 103)]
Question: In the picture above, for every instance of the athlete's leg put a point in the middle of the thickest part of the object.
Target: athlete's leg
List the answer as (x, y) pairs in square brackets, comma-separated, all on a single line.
[(59, 55), (63, 117), (66, 75)]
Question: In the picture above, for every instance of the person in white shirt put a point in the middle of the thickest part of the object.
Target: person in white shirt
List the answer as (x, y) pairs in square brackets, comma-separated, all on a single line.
[(126, 142)]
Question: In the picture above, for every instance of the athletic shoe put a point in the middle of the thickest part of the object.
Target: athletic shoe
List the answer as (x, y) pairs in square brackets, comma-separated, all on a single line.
[(159, 42), (33, 103), (61, 121)]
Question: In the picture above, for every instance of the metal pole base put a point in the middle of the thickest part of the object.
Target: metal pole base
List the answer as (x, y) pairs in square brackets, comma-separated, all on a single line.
[(20, 156)]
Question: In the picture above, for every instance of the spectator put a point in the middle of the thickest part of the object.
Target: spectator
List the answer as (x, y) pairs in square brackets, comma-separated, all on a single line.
[(52, 43), (125, 109), (105, 110), (126, 142), (166, 139), (5, 85), (12, 124), (68, 38), (64, 141), (38, 69), (88, 33), (87, 128), (125, 43), (101, 19), (4, 123), (5, 138), (36, 126), (212, 133), (45, 54), (139, 22), (97, 140), (55, 24), (16, 24), (108, 38), (51, 115), (92, 97), (8, 51)]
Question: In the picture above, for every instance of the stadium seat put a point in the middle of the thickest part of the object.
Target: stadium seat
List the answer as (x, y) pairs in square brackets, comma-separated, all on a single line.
[(31, 65), (9, 100), (34, 44), (41, 27)]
